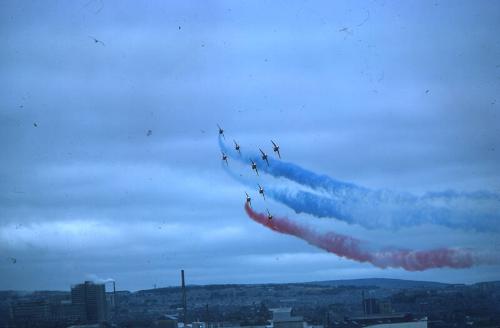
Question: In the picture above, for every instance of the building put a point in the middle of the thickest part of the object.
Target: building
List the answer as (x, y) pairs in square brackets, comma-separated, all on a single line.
[(96, 325), (376, 306), (282, 318), (413, 324), (378, 319), (371, 306), (91, 299), (167, 321), (385, 307), (70, 312), (198, 324), (33, 311)]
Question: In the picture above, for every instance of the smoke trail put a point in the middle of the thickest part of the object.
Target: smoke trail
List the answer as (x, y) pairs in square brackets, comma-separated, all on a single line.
[(279, 168), (377, 208), (354, 249), (392, 214)]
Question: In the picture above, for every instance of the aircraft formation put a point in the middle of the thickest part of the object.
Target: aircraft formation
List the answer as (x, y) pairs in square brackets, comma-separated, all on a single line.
[(253, 165)]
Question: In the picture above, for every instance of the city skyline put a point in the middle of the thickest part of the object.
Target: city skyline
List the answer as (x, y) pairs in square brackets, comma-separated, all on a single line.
[(321, 304)]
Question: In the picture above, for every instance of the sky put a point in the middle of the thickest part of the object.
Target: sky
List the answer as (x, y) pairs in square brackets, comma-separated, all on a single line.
[(110, 165)]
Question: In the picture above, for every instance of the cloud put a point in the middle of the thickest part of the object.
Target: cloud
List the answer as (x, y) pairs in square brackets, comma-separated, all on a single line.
[(352, 107)]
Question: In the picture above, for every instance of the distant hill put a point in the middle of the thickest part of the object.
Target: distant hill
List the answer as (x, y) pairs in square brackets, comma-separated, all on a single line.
[(382, 283), (385, 283)]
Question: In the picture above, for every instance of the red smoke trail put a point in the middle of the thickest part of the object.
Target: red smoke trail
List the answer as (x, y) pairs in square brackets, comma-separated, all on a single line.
[(356, 250)]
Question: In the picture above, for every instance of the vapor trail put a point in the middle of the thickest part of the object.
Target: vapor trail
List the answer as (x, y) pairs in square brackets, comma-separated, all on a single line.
[(354, 249), (376, 209)]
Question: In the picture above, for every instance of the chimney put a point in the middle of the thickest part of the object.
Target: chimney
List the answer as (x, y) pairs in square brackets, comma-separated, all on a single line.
[(207, 316), (114, 297), (184, 299), (363, 301)]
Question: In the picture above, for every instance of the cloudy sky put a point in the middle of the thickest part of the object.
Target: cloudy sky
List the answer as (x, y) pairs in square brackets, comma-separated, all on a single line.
[(385, 94)]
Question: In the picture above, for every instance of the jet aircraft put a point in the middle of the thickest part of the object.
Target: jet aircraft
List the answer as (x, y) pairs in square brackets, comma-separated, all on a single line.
[(254, 167), (237, 146), (261, 191), (249, 200), (269, 215), (224, 158), (276, 148), (264, 157), (221, 131)]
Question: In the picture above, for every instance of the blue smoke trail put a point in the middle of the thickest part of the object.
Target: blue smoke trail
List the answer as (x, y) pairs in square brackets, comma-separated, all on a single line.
[(375, 209), (278, 168)]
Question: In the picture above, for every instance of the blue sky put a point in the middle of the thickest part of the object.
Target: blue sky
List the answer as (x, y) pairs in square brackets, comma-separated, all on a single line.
[(384, 94)]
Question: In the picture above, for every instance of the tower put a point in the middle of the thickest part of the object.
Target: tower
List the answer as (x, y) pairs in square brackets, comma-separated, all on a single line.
[(184, 299)]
